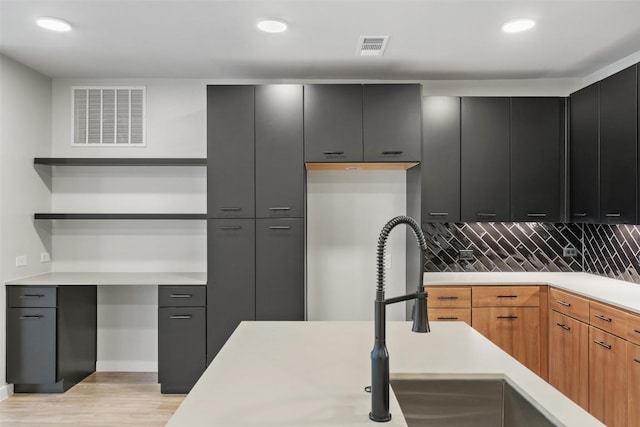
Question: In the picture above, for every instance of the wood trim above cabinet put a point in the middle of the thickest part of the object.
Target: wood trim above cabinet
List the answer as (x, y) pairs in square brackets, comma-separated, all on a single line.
[(359, 166)]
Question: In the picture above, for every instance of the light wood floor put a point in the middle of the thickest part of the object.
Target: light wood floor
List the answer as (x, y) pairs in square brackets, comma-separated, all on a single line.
[(102, 399)]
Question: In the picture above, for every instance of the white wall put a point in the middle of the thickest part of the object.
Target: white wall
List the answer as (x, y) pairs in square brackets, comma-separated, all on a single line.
[(25, 132), (346, 211)]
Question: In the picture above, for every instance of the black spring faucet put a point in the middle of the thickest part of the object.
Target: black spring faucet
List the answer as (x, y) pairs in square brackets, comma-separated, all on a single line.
[(379, 354)]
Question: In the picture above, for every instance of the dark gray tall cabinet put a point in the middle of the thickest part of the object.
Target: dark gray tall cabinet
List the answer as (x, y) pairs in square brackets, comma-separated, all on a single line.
[(255, 262)]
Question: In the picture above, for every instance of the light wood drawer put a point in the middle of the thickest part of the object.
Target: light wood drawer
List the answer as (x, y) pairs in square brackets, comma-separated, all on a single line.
[(445, 296), (633, 328), (450, 315), (569, 304), (608, 319), (506, 296)]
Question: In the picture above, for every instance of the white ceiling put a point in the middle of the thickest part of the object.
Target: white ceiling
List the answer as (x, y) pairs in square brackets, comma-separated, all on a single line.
[(429, 39)]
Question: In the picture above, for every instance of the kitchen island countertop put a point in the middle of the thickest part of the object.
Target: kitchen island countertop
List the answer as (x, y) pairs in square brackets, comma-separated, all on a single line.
[(314, 373)]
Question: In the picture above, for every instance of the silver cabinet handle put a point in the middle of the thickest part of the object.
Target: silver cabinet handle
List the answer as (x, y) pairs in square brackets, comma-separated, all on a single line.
[(486, 214), (230, 227), (25, 296), (230, 209), (506, 317), (563, 326), (391, 153), (279, 227), (180, 296), (537, 215), (183, 317), (566, 304), (31, 317), (601, 317), (612, 215), (580, 215), (283, 208), (438, 213), (333, 153), (602, 344)]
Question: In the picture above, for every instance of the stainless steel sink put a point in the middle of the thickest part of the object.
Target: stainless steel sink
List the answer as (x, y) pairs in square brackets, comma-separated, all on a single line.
[(465, 403)]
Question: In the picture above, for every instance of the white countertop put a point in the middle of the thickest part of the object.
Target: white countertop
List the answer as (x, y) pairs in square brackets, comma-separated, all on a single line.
[(619, 293), (313, 374), (112, 279)]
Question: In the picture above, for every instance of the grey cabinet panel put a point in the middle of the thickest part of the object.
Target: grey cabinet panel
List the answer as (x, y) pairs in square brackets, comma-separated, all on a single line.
[(484, 186), (230, 152), (181, 347), (279, 151), (280, 269), (583, 156), (441, 159), (31, 346), (181, 296), (333, 123), (536, 143), (618, 147), (31, 296), (231, 284), (392, 122)]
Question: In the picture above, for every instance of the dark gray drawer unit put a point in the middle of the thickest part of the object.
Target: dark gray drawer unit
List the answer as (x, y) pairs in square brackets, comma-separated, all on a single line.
[(51, 337), (182, 335)]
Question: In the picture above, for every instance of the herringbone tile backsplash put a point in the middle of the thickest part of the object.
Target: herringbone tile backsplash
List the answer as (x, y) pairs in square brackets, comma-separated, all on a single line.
[(607, 250)]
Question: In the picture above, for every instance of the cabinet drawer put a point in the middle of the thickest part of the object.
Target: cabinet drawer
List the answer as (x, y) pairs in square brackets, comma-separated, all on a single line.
[(569, 304), (608, 319), (181, 296), (506, 296), (444, 296), (633, 328), (31, 296), (450, 315)]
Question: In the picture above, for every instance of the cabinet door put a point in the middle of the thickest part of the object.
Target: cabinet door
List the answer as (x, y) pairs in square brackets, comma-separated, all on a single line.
[(181, 347), (583, 156), (484, 159), (279, 151), (633, 359), (516, 330), (392, 122), (440, 167), (608, 370), (230, 152), (618, 158), (231, 287), (31, 346), (569, 357), (280, 269), (536, 142), (333, 123)]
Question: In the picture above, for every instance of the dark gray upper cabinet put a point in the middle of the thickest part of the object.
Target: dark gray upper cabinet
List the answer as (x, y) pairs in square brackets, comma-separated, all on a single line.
[(583, 156), (280, 269), (332, 123), (392, 122), (537, 133), (231, 279), (618, 147), (440, 167), (484, 186), (279, 151), (230, 152)]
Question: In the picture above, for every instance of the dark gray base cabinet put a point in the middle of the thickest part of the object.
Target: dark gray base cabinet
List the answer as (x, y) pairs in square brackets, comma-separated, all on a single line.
[(51, 337), (181, 337)]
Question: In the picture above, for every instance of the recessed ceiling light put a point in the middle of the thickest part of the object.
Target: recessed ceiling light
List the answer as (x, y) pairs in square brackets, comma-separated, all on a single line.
[(518, 25), (272, 26), (53, 24)]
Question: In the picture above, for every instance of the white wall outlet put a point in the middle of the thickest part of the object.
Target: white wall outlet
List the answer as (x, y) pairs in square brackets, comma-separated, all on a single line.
[(21, 261), (45, 257), (387, 262), (569, 251)]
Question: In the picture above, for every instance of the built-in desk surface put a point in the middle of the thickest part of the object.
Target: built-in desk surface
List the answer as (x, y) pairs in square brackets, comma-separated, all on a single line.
[(112, 279)]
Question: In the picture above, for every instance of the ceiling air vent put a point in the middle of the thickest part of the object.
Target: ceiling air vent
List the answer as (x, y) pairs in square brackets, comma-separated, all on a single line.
[(109, 116), (372, 45)]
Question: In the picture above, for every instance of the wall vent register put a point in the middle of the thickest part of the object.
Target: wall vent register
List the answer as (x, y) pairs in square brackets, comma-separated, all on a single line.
[(108, 116)]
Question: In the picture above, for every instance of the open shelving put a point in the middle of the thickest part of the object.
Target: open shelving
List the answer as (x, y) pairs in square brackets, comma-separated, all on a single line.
[(129, 161)]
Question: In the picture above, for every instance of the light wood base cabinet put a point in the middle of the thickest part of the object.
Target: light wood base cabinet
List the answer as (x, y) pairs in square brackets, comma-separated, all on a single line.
[(569, 357), (516, 330), (633, 362), (608, 370)]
